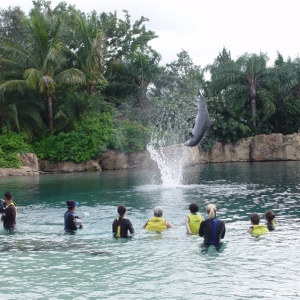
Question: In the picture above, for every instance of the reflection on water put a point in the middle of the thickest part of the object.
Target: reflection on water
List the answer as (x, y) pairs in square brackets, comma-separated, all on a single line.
[(41, 262)]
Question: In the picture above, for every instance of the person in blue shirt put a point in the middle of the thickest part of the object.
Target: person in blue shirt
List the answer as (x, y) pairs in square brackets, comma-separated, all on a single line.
[(212, 229), (72, 222)]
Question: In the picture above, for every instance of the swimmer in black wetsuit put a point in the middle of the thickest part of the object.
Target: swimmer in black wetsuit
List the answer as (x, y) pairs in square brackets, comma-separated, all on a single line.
[(70, 219), (212, 229), (9, 214), (269, 218), (122, 225)]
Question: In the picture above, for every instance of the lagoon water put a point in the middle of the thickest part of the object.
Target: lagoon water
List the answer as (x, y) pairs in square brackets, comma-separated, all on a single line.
[(40, 262)]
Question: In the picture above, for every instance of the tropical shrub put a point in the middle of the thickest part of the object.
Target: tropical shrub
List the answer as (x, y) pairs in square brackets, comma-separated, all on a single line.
[(10, 145), (129, 136), (88, 141)]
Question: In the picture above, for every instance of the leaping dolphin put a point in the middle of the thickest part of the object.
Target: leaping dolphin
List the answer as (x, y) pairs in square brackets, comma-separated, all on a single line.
[(202, 123)]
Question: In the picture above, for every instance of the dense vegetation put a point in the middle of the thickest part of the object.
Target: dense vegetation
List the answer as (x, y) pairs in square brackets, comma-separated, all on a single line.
[(74, 84)]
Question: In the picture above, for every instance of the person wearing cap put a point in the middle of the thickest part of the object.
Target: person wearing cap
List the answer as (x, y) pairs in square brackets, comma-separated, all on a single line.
[(71, 223), (9, 214), (212, 229)]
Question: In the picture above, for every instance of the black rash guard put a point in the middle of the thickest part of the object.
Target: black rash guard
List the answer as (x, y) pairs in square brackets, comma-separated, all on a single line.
[(213, 231), (70, 222), (125, 225), (9, 217)]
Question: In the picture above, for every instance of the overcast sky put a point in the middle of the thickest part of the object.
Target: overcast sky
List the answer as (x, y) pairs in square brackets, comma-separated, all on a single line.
[(203, 27)]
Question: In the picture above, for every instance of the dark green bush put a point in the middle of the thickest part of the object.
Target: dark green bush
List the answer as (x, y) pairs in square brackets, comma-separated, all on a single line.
[(11, 144), (88, 141), (129, 136)]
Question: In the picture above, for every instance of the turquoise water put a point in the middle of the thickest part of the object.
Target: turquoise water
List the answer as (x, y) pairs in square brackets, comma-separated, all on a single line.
[(40, 262)]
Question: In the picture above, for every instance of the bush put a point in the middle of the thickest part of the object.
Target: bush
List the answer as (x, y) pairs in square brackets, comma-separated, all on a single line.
[(11, 144), (88, 141), (129, 136)]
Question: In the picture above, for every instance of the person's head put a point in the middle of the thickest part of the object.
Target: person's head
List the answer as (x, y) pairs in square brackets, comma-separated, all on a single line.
[(8, 196), (121, 210), (72, 204), (269, 215), (255, 218), (193, 208), (211, 210), (158, 211)]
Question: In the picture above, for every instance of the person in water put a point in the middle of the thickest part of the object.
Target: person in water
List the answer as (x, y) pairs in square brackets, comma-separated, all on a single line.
[(212, 229), (9, 214), (256, 228), (269, 218), (193, 221), (157, 223), (121, 225), (72, 222)]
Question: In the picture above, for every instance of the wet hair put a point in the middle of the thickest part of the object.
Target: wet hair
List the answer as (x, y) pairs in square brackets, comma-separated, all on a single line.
[(158, 211), (211, 211), (121, 210), (193, 208), (8, 196), (255, 218), (269, 215)]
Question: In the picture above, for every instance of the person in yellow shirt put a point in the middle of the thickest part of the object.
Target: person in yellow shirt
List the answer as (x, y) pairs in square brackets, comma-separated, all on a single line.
[(157, 223), (193, 220), (256, 228)]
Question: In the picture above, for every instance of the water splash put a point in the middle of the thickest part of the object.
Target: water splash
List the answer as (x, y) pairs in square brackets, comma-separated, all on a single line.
[(170, 161)]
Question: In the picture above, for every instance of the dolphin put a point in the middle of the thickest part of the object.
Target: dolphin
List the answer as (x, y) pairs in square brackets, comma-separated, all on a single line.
[(202, 123)]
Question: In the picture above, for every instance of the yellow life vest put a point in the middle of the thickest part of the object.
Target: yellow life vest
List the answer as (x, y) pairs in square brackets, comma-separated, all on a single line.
[(195, 221), (156, 224), (118, 231), (260, 229), (15, 206)]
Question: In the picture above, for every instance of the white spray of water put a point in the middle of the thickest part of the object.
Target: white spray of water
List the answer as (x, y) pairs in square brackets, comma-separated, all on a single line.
[(170, 161)]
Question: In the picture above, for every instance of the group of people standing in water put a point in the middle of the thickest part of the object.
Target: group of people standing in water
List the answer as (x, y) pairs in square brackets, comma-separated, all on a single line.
[(212, 229)]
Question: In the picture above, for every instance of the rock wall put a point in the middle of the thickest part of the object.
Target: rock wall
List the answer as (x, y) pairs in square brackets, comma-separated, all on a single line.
[(272, 147)]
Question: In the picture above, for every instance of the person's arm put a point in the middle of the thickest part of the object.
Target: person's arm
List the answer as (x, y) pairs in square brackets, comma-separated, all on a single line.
[(187, 225), (223, 233), (250, 229), (201, 229), (144, 226), (8, 213), (130, 227), (169, 225)]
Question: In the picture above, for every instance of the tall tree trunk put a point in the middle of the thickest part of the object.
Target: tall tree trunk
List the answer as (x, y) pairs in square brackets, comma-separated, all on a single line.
[(253, 107), (50, 114), (92, 89)]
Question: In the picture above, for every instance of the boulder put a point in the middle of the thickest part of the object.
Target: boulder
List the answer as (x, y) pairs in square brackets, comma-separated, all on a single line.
[(68, 166)]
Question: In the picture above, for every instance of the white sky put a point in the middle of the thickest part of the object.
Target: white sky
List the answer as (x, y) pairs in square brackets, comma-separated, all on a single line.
[(203, 27)]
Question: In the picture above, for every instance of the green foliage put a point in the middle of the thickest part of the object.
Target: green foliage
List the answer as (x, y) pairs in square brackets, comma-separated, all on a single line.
[(88, 141), (10, 145), (129, 136)]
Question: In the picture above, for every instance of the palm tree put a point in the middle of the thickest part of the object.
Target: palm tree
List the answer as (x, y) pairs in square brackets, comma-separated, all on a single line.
[(245, 76), (40, 62)]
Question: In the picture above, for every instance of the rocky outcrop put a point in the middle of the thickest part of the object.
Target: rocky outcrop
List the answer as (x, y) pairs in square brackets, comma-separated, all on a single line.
[(176, 154), (272, 147), (68, 166), (30, 166)]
